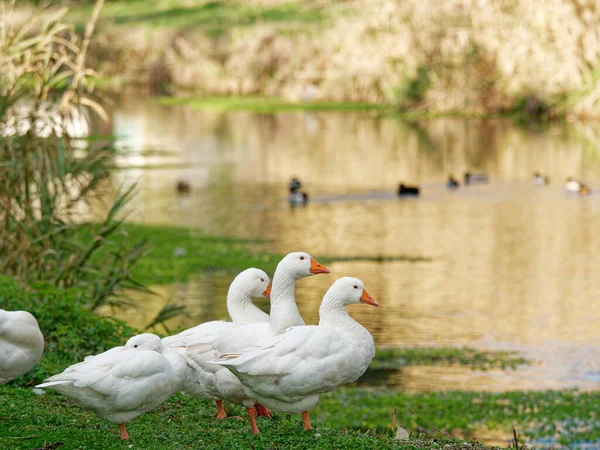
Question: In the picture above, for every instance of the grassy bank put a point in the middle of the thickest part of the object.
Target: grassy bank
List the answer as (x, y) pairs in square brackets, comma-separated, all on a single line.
[(347, 418), (478, 59), (72, 331), (176, 254), (51, 421), (550, 417)]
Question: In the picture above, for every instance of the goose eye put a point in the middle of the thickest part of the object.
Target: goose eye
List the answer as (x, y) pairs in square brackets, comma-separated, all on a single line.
[(135, 346), (302, 258), (355, 287), (262, 279)]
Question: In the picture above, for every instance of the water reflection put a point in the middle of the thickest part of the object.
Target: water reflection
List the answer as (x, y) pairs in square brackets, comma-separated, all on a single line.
[(512, 264)]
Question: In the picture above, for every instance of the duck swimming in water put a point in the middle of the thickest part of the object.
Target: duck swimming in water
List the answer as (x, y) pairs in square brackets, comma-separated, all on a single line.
[(183, 187), (577, 187), (539, 179), (452, 182), (296, 196), (572, 185), (408, 191), (584, 189), (295, 184), (476, 178)]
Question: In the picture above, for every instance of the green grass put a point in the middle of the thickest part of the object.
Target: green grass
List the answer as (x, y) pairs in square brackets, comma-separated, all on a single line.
[(70, 329), (347, 418), (270, 105), (564, 417), (396, 358), (31, 421), (176, 254), (211, 16)]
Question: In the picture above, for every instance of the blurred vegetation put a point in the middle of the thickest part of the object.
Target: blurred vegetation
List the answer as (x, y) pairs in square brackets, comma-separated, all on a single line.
[(395, 358), (536, 59), (70, 328), (267, 105), (51, 177)]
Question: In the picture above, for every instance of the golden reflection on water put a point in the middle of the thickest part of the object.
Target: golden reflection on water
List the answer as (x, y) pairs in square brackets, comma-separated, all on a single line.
[(513, 265)]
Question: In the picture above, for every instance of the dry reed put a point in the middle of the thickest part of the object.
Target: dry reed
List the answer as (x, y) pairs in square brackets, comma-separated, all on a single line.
[(475, 56)]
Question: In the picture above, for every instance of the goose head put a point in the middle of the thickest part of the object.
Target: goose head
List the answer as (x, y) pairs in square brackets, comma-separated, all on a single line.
[(350, 291), (145, 341), (299, 265), (253, 281)]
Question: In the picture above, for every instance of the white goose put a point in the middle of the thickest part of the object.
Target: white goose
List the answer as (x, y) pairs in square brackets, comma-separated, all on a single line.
[(207, 381), (123, 382), (21, 344), (284, 314), (288, 372)]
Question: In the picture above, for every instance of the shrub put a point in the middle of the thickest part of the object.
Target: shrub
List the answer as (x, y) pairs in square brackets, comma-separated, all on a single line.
[(51, 178), (71, 331)]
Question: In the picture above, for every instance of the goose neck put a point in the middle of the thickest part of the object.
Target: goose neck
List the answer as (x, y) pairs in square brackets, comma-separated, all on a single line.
[(333, 312), (283, 288), (284, 311), (237, 304)]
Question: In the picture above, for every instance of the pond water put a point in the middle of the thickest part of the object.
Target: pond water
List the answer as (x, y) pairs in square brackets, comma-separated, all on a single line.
[(512, 265)]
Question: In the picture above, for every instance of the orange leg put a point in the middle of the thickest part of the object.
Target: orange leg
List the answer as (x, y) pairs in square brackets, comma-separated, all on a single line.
[(123, 430), (221, 414), (306, 420), (262, 410), (251, 413)]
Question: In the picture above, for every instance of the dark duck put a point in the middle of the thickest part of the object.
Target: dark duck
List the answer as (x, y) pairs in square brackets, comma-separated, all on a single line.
[(452, 182), (476, 178), (408, 191), (297, 197)]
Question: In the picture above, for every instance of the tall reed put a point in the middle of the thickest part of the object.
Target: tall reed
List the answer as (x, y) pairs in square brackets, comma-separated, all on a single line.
[(51, 178)]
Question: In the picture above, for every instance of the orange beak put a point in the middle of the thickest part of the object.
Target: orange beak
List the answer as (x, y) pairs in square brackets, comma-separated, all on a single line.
[(267, 293), (367, 299), (316, 268)]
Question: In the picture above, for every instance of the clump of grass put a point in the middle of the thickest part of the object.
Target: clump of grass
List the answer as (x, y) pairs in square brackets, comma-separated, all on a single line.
[(396, 358)]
